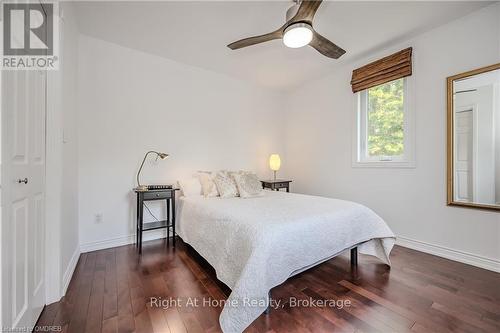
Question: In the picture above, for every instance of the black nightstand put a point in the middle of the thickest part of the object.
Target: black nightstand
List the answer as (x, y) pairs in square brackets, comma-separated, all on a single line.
[(164, 194), (276, 184)]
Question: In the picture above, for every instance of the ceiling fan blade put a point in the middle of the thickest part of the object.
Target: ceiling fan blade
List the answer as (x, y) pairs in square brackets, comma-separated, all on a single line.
[(306, 11), (256, 39), (325, 47)]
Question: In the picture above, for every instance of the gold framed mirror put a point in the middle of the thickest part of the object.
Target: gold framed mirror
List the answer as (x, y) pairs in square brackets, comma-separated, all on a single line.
[(473, 138)]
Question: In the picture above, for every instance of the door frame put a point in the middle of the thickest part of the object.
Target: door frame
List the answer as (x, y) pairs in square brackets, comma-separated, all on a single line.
[(53, 183), (2, 191)]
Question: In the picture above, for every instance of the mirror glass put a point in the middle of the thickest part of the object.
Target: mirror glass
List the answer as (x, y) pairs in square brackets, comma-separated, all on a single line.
[(476, 138)]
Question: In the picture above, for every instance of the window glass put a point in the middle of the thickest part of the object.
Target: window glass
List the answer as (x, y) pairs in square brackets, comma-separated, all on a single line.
[(385, 120)]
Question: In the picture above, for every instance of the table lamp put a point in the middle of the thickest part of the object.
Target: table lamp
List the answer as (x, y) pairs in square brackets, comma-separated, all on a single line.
[(274, 163), (158, 154)]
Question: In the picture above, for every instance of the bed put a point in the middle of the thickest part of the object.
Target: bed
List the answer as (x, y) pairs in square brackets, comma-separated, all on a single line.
[(256, 244)]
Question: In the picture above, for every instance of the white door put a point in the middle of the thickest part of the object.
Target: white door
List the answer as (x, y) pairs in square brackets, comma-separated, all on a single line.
[(23, 196), (464, 156)]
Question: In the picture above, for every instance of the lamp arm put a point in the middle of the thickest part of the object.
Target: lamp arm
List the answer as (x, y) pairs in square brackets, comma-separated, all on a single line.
[(142, 164)]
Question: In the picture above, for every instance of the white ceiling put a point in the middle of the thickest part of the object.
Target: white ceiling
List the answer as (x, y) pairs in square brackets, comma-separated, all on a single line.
[(196, 33)]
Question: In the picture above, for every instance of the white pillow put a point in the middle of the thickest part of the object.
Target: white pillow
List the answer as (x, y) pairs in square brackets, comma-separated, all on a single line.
[(225, 184), (190, 187), (249, 185), (207, 184)]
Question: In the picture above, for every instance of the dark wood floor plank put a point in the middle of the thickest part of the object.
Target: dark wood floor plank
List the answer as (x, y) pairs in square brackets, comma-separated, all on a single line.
[(111, 291), (205, 315), (467, 316), (50, 312), (110, 325), (95, 311), (153, 289), (171, 314), (393, 306), (174, 320), (386, 320), (126, 321), (110, 305), (79, 311), (314, 321), (66, 304)]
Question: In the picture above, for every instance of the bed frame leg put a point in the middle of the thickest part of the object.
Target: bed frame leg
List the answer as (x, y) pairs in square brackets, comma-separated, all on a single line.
[(354, 257), (268, 310)]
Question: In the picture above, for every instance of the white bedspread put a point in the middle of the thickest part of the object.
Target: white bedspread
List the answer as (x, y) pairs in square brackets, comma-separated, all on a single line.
[(256, 244)]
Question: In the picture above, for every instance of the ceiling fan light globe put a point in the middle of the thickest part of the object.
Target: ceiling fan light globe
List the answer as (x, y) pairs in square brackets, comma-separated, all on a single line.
[(298, 35)]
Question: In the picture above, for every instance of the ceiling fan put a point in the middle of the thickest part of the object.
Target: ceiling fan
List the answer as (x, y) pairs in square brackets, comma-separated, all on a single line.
[(297, 31)]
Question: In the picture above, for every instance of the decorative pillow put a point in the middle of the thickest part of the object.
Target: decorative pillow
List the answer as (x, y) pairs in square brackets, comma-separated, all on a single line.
[(207, 184), (248, 184), (190, 187), (225, 184)]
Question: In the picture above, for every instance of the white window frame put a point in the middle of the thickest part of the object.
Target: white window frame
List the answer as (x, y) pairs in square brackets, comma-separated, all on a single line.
[(360, 158)]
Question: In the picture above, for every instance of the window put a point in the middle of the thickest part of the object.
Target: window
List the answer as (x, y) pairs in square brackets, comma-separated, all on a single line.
[(384, 126)]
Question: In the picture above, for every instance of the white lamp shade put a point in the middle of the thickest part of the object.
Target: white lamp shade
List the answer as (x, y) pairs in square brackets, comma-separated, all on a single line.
[(274, 162)]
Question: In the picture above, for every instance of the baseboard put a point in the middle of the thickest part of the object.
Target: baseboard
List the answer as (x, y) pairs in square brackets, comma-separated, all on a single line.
[(452, 254), (69, 271), (437, 250), (120, 241)]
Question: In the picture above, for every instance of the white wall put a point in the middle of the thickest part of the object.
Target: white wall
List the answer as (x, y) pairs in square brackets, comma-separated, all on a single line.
[(412, 201), (62, 192), (131, 102)]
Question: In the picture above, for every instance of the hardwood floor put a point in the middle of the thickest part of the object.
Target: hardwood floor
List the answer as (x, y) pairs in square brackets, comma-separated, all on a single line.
[(111, 291)]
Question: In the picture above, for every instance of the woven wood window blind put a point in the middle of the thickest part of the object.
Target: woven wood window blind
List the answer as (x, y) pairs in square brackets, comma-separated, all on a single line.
[(393, 67)]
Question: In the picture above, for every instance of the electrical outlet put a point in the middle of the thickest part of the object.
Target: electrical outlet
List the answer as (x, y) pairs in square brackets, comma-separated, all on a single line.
[(98, 218)]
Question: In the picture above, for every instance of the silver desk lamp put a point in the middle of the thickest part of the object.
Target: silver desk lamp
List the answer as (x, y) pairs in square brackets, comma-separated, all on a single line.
[(158, 154)]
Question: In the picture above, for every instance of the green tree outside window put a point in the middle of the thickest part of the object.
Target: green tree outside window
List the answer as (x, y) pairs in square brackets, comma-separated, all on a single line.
[(386, 119)]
